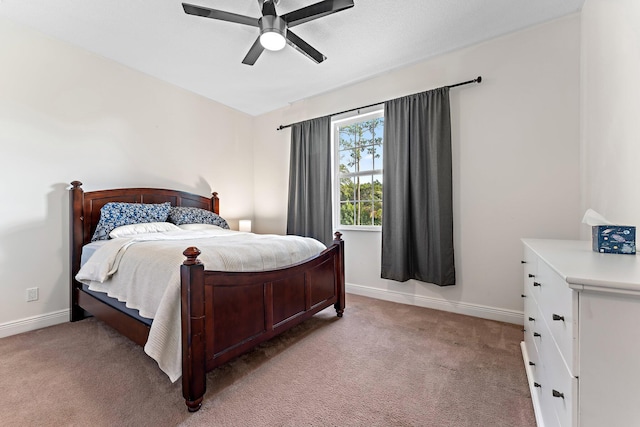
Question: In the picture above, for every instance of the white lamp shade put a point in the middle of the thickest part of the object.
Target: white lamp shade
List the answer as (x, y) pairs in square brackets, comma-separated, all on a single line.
[(244, 225), (272, 40)]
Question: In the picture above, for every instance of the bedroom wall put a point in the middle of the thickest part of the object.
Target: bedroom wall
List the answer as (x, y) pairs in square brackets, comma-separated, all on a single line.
[(610, 109), (516, 163), (66, 114)]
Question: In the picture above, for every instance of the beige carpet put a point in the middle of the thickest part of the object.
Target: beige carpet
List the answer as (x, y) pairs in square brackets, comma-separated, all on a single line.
[(382, 364)]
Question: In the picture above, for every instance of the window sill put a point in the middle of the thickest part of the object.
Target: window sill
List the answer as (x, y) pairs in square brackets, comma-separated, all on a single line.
[(360, 228)]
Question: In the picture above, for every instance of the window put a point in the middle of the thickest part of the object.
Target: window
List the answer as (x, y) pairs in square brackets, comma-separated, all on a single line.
[(357, 142)]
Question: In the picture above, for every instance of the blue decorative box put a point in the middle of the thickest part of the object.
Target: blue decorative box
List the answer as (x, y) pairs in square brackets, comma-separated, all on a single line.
[(614, 239)]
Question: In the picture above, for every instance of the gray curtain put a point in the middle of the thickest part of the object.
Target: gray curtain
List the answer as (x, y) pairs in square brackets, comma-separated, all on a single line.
[(417, 215), (309, 210)]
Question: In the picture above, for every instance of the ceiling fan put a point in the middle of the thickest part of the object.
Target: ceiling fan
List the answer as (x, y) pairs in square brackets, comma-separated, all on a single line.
[(275, 30)]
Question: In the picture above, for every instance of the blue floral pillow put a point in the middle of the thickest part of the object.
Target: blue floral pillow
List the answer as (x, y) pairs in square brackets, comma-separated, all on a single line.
[(185, 215), (116, 214)]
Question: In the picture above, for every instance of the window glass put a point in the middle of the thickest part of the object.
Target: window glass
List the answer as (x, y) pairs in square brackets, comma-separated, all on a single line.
[(358, 145)]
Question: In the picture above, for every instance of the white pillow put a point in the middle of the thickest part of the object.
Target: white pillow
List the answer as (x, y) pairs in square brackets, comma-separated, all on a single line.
[(200, 227), (142, 228)]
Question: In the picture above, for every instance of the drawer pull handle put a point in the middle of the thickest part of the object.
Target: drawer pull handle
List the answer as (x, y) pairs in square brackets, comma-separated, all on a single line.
[(537, 385), (531, 319), (536, 284), (535, 334), (523, 262), (531, 363), (523, 295), (532, 275), (524, 330), (556, 317), (557, 394)]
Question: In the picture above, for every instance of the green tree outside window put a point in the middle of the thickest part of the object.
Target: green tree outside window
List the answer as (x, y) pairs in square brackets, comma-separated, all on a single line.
[(360, 172)]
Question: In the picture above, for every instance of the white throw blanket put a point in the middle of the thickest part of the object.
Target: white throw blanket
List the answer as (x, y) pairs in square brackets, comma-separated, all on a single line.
[(148, 277)]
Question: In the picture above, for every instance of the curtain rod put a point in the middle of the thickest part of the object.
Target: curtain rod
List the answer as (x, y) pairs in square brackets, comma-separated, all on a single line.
[(476, 80)]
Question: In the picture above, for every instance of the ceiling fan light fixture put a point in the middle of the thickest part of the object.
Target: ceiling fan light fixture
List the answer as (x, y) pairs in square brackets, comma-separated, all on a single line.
[(272, 40), (272, 32)]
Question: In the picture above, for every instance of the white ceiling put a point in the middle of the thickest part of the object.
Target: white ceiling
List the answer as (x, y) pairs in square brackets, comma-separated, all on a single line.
[(204, 55)]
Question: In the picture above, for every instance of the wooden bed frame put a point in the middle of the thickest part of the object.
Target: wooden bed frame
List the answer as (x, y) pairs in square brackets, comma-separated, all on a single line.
[(224, 314)]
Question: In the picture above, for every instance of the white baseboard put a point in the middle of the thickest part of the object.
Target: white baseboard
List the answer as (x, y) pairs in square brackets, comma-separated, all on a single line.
[(484, 312), (32, 323), (475, 310)]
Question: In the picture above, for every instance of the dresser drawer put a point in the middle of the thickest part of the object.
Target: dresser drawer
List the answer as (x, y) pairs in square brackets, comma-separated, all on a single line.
[(530, 262), (560, 388), (559, 310), (537, 377), (548, 412), (544, 344), (540, 335), (531, 313)]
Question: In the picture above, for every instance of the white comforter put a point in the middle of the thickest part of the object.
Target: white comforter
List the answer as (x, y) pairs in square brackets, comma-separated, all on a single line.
[(148, 277)]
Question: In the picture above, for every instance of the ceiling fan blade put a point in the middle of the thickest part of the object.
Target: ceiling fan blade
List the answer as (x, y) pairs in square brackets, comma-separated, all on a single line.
[(304, 48), (205, 12), (315, 11), (254, 53)]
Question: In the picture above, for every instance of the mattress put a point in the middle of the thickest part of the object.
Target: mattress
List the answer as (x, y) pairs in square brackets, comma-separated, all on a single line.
[(89, 249)]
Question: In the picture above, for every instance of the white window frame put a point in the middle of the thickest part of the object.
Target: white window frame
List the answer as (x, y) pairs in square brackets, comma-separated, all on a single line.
[(336, 122)]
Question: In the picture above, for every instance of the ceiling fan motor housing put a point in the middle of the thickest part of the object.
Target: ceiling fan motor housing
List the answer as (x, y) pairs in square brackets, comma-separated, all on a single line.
[(273, 32)]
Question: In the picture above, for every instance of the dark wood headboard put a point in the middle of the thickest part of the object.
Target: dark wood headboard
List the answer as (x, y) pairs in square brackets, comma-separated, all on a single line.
[(84, 210)]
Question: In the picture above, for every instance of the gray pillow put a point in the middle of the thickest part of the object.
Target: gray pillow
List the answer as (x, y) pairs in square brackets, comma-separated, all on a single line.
[(185, 215)]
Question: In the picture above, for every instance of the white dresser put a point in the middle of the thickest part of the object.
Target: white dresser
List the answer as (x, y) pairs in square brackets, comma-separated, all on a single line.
[(581, 343)]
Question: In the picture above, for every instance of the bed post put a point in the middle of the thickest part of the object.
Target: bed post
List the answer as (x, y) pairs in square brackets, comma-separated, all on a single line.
[(215, 203), (340, 304), (194, 382), (76, 228)]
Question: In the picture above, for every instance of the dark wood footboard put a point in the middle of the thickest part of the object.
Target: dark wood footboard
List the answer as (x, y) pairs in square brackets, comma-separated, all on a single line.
[(225, 314)]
